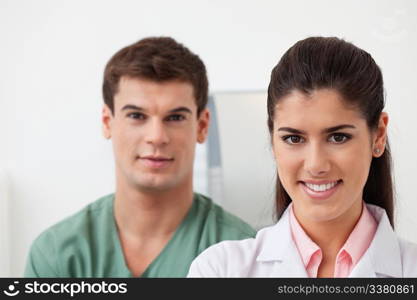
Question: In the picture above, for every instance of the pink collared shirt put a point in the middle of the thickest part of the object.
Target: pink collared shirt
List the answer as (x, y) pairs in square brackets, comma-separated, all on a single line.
[(348, 256)]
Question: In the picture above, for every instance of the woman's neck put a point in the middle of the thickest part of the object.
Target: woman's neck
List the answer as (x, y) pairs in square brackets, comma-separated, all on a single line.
[(331, 235)]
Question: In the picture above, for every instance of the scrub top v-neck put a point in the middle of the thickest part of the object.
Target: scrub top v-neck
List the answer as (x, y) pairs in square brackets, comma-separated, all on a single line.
[(87, 244)]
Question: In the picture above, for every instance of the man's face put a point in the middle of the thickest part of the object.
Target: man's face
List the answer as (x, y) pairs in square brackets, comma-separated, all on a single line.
[(154, 130)]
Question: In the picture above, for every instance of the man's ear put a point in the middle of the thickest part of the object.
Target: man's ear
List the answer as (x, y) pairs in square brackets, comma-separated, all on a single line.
[(380, 138), (106, 121), (203, 125)]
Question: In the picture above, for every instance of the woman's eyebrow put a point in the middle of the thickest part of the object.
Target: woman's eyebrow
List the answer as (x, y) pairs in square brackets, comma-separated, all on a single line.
[(292, 130), (327, 130), (336, 128)]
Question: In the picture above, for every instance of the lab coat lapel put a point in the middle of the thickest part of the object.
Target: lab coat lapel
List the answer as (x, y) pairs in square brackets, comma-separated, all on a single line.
[(279, 252), (291, 264), (364, 268), (383, 257)]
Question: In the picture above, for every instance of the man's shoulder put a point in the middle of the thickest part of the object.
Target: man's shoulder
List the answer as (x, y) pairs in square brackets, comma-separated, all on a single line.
[(225, 221), (78, 223), (67, 248)]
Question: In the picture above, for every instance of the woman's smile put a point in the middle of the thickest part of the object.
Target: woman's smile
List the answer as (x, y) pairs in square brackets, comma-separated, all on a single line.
[(320, 191)]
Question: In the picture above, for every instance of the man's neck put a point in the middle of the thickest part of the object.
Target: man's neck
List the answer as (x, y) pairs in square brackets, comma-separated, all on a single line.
[(151, 214)]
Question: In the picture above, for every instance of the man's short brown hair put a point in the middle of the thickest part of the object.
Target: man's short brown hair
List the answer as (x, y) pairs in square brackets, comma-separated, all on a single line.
[(158, 59)]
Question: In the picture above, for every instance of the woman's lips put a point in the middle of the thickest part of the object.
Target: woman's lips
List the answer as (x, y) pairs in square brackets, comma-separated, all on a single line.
[(320, 195)]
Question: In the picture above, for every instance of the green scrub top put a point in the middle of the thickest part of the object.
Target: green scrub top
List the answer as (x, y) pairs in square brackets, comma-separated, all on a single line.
[(87, 244)]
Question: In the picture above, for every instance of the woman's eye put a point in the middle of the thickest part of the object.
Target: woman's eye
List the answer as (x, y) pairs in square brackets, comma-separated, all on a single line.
[(293, 139), (175, 118), (136, 116), (339, 138)]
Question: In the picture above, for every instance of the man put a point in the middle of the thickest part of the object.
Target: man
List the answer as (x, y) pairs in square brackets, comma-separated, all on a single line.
[(155, 95)]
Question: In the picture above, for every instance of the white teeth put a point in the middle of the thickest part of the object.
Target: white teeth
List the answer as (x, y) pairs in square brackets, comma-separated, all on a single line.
[(320, 187)]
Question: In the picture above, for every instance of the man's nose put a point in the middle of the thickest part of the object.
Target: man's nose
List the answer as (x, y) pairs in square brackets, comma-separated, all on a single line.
[(156, 133)]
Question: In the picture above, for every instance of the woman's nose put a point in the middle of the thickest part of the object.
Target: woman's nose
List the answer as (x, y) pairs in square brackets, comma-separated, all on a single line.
[(317, 162)]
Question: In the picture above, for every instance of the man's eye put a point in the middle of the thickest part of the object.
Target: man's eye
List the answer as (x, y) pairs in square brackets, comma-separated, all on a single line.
[(137, 116), (292, 139), (339, 138), (175, 118)]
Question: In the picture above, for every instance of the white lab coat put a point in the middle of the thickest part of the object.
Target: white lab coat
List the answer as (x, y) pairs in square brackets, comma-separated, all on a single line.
[(273, 253)]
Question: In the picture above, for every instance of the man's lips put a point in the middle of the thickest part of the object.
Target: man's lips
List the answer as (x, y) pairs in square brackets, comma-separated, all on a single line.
[(156, 158), (156, 162)]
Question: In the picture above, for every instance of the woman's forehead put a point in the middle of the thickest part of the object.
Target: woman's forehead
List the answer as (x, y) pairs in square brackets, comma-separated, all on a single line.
[(322, 106)]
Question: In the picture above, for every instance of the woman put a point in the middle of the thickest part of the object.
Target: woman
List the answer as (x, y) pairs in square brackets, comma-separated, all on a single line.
[(334, 192)]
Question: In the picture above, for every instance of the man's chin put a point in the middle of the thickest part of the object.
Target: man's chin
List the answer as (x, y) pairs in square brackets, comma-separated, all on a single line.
[(155, 185)]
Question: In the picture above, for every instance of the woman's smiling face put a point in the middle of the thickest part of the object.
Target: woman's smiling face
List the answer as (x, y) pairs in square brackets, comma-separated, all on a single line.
[(323, 149)]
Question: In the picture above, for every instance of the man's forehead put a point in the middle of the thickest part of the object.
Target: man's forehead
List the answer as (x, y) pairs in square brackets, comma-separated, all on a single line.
[(138, 83), (143, 109), (146, 95)]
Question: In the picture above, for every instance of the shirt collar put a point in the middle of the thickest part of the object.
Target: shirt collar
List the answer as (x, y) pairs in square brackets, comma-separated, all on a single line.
[(305, 245), (361, 236), (355, 246), (277, 244)]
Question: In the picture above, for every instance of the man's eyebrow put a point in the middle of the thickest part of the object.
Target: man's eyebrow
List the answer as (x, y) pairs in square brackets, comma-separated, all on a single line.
[(175, 110), (327, 130), (133, 107), (181, 109)]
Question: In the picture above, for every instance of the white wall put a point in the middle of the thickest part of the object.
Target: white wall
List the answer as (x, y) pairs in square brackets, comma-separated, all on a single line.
[(52, 54), (5, 263), (248, 168)]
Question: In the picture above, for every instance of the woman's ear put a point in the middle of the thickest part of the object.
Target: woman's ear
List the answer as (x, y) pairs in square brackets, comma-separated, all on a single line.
[(380, 138)]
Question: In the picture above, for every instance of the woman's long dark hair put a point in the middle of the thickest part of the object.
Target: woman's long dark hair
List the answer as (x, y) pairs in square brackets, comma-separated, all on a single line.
[(329, 62)]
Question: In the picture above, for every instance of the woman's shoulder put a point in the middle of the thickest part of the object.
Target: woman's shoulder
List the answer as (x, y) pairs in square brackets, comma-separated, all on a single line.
[(225, 259), (228, 258), (407, 247), (409, 257)]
